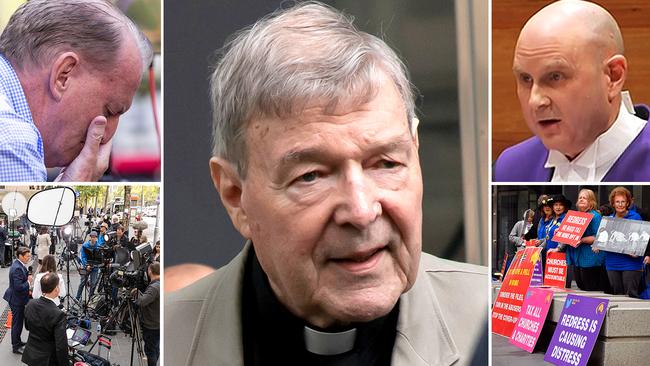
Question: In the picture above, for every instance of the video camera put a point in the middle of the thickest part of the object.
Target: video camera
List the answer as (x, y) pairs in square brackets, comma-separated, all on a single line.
[(134, 273)]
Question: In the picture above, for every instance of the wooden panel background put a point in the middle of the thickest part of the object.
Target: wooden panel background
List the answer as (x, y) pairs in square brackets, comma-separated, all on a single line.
[(508, 16)]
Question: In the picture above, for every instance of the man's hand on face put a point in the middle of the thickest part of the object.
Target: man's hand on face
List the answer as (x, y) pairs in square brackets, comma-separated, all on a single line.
[(92, 161)]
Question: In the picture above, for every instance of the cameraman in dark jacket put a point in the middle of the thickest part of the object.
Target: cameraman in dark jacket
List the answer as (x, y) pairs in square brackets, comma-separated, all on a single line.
[(149, 304), (120, 240)]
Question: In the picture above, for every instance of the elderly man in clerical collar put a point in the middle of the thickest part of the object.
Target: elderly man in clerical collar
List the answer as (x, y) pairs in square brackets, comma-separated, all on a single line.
[(316, 161), (68, 70), (570, 68)]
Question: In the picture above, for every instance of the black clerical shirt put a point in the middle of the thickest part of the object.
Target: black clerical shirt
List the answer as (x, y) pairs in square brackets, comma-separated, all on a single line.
[(274, 336)]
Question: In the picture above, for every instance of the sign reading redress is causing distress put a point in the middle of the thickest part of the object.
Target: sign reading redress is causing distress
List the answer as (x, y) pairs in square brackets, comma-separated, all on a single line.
[(531, 319), (511, 295), (573, 226), (577, 330), (623, 236), (555, 275)]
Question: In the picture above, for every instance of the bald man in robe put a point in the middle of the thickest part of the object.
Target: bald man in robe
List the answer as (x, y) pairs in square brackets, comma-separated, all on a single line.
[(570, 69)]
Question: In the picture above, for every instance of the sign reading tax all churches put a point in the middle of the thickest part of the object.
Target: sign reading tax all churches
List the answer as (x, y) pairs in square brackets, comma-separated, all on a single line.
[(573, 226), (531, 319), (507, 306)]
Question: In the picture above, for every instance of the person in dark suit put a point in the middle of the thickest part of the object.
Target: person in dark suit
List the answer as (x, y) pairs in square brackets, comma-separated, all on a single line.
[(47, 343), (17, 295)]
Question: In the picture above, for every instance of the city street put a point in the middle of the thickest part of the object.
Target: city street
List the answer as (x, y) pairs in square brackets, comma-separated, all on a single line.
[(120, 352)]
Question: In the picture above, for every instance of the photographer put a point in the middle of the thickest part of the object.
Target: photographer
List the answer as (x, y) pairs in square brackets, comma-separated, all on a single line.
[(89, 251), (149, 304), (103, 238), (47, 343), (138, 238), (120, 240)]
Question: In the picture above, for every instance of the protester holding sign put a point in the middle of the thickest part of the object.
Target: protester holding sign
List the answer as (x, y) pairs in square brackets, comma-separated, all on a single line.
[(539, 214), (516, 238), (544, 223), (546, 219), (623, 270), (588, 266), (560, 207)]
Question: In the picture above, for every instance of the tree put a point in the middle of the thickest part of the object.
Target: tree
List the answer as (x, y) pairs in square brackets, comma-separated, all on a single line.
[(127, 205)]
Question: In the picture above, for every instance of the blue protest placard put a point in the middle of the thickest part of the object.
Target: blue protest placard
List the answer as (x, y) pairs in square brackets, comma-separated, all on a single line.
[(538, 275), (577, 330)]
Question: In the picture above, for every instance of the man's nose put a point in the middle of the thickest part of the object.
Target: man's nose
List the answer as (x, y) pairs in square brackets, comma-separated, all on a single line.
[(358, 204), (538, 97)]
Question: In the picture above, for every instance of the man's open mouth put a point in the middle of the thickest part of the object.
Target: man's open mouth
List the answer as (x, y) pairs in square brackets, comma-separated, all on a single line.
[(360, 261), (549, 122)]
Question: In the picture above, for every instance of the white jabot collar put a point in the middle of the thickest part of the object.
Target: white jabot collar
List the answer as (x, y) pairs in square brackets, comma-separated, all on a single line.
[(328, 344), (595, 161)]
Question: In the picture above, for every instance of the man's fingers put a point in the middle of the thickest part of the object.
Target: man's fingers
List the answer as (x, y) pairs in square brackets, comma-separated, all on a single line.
[(94, 136)]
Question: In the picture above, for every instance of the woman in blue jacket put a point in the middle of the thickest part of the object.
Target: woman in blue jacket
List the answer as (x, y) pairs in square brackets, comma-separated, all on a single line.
[(560, 206), (623, 270), (588, 266)]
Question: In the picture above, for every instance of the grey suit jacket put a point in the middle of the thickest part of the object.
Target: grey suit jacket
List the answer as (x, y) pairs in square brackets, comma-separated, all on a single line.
[(441, 317)]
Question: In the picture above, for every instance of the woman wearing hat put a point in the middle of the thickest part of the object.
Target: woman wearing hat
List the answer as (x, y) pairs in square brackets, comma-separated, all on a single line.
[(560, 207), (588, 266), (623, 270), (547, 216)]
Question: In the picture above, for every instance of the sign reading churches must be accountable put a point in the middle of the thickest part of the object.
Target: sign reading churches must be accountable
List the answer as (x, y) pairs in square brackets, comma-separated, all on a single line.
[(555, 275), (531, 319), (577, 330), (573, 226), (511, 295), (623, 236)]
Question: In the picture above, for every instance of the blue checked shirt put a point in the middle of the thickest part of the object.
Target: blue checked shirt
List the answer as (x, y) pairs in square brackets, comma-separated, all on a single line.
[(21, 146)]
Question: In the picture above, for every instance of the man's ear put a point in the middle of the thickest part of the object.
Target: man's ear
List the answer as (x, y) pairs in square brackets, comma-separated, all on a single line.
[(616, 69), (61, 72), (229, 185)]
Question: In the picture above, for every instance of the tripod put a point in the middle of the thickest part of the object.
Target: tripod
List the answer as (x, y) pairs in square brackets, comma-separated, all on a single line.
[(129, 317), (67, 255), (103, 299)]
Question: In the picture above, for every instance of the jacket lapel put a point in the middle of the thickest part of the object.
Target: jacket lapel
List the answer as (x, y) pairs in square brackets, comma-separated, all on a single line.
[(218, 340), (423, 338)]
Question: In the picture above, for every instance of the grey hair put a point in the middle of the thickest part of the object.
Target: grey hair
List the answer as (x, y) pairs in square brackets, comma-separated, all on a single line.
[(293, 57), (40, 29)]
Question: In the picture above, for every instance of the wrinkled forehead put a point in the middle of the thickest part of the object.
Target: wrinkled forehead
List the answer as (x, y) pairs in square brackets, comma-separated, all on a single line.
[(332, 99), (300, 111)]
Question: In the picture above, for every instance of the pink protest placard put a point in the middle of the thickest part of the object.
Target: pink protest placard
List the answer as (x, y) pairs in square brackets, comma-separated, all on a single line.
[(573, 226), (531, 319)]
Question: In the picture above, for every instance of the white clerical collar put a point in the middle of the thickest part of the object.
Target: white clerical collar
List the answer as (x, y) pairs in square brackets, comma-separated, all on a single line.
[(595, 161), (328, 344)]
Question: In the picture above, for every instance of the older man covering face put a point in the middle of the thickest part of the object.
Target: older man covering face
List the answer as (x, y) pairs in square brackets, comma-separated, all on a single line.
[(570, 70), (68, 70), (316, 161)]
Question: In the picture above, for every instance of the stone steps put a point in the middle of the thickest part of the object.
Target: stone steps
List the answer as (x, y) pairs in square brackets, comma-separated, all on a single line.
[(624, 338)]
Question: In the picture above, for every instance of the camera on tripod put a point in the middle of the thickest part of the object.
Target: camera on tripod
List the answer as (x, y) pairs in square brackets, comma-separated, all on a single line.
[(121, 278)]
